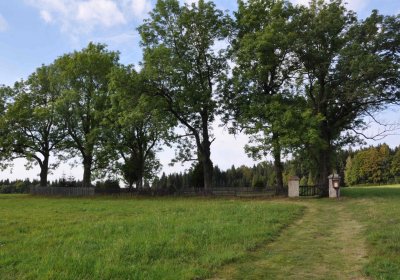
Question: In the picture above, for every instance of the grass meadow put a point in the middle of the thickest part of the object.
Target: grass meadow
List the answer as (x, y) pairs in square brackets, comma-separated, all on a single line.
[(357, 237), (378, 209), (57, 238)]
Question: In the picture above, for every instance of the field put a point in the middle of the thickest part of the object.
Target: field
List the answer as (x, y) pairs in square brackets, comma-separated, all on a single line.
[(357, 237), (131, 239)]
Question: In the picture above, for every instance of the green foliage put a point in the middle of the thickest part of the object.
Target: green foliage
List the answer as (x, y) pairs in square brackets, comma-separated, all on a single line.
[(181, 60), (259, 176), (374, 165), (5, 96), (303, 181), (18, 186), (85, 97), (395, 165), (311, 180), (257, 95), (108, 185), (258, 182), (303, 81), (34, 128), (196, 177), (139, 238), (350, 70), (133, 127)]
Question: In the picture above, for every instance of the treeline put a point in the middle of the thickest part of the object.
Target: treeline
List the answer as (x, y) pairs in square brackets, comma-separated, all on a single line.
[(299, 80), (258, 176), (17, 186), (23, 186), (373, 165)]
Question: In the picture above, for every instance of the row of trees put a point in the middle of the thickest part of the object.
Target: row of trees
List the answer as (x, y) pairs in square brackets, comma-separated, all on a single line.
[(85, 104), (258, 176), (373, 165), (297, 79)]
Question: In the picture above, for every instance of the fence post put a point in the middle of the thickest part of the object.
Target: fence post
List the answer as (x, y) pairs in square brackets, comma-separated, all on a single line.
[(294, 186)]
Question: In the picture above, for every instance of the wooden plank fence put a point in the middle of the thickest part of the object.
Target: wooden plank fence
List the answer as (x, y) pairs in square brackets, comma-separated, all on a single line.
[(60, 191), (241, 192), (71, 191)]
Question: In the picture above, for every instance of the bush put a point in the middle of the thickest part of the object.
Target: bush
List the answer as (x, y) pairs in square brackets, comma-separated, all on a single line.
[(303, 181), (15, 187), (108, 186), (258, 182), (6, 189)]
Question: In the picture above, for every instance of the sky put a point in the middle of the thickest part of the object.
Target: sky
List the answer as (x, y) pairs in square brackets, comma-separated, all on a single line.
[(35, 32)]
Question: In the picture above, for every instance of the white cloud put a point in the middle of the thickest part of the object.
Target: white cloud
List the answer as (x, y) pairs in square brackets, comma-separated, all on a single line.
[(355, 5), (102, 12), (139, 8), (3, 24), (77, 17), (46, 16)]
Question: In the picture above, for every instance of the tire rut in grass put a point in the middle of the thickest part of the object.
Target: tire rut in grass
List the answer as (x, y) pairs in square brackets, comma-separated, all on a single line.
[(326, 243)]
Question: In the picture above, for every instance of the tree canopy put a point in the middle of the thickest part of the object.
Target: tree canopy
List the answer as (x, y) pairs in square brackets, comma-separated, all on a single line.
[(33, 126), (307, 76), (133, 127), (180, 57), (300, 80), (85, 97), (350, 70)]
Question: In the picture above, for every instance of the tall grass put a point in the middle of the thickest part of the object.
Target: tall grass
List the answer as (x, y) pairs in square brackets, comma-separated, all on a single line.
[(379, 209), (44, 238)]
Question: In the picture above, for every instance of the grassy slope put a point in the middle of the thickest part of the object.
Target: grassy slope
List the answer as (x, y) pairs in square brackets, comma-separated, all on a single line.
[(44, 238), (378, 208)]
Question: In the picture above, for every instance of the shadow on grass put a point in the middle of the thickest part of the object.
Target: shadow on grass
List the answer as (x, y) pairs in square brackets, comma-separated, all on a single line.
[(371, 192)]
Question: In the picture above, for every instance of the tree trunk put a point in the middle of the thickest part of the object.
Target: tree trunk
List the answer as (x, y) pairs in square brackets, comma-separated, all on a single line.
[(87, 172), (44, 170), (205, 152), (278, 170), (324, 162), (205, 158), (323, 171), (208, 173)]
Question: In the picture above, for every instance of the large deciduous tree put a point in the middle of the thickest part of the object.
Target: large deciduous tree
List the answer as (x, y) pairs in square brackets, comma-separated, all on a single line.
[(349, 70), (33, 126), (181, 54), (133, 127), (260, 93), (85, 97)]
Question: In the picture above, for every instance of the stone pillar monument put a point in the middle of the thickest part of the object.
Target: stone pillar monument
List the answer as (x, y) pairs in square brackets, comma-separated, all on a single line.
[(334, 186), (294, 186)]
